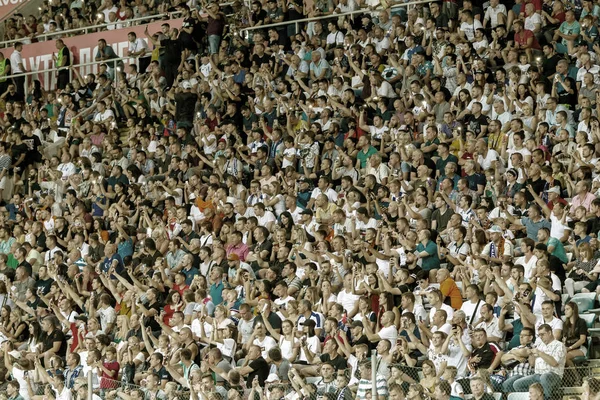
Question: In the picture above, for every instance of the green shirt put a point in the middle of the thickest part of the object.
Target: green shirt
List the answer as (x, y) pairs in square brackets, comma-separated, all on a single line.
[(431, 261), (363, 157), (12, 262), (559, 249)]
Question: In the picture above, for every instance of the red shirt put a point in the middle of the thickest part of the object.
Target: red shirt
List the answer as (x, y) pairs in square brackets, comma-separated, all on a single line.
[(181, 288), (536, 3), (522, 38), (107, 381)]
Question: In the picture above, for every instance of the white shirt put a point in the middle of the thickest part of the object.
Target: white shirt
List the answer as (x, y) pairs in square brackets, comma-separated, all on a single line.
[(67, 169), (491, 14), (558, 229), (381, 44), (101, 117), (138, 45), (330, 193), (107, 316), (470, 28), (532, 20), (491, 328), (445, 307), (486, 163), (529, 265), (347, 300), (107, 12), (469, 309), (15, 60), (266, 218), (335, 38), (555, 324), (390, 333)]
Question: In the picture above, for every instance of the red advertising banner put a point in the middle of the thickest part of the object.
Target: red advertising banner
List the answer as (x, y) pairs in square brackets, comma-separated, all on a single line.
[(8, 6), (38, 56)]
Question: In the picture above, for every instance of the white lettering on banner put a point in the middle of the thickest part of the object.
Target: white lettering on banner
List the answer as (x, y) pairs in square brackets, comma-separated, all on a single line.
[(83, 48), (7, 2), (85, 56)]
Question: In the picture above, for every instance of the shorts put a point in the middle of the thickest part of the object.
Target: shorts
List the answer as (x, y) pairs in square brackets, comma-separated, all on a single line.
[(213, 43), (3, 182)]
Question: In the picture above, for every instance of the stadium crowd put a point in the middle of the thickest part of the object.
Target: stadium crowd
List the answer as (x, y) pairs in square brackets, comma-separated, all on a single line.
[(248, 212)]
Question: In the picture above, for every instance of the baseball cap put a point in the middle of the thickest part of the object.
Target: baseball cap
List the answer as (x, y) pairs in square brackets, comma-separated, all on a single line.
[(233, 257), (554, 189), (309, 322), (186, 85), (495, 229), (357, 324)]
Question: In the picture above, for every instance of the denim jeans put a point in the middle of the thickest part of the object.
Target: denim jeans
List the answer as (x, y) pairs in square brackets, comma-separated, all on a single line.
[(550, 382), (507, 385)]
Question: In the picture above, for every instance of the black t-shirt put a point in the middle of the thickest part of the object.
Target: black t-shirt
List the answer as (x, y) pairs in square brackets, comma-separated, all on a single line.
[(44, 285), (260, 60), (17, 150), (429, 163), (259, 16), (476, 123), (474, 180), (172, 51), (56, 336), (187, 39), (34, 304), (573, 333), (260, 368), (150, 321), (486, 354), (12, 98), (549, 65), (339, 363), (274, 320), (27, 267), (185, 106), (538, 187)]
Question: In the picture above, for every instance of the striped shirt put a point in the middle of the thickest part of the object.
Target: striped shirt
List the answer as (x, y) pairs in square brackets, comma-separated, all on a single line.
[(365, 385)]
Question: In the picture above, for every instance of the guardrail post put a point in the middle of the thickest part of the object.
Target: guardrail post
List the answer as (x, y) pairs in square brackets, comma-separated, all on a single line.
[(90, 393)]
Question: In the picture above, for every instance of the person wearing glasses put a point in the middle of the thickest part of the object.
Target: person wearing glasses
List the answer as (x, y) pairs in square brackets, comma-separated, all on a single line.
[(550, 358), (516, 361)]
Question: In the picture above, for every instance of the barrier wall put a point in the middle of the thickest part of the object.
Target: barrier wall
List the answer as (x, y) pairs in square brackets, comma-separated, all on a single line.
[(8, 6), (38, 56)]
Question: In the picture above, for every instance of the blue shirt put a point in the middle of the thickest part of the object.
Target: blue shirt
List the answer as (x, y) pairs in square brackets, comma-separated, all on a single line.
[(125, 248), (190, 274), (108, 262)]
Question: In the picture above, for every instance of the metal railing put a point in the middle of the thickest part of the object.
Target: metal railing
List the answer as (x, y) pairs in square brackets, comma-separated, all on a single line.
[(331, 16), (48, 71), (87, 29)]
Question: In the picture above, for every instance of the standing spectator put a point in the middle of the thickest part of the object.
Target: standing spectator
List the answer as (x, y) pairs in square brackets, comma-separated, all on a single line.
[(214, 30), (17, 67), (63, 62)]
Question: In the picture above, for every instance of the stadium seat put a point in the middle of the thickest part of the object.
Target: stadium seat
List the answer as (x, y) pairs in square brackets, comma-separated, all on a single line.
[(583, 359), (518, 396), (590, 319), (584, 301)]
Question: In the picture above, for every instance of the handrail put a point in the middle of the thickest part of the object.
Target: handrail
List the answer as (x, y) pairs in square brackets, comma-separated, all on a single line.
[(86, 28), (81, 65), (331, 16)]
